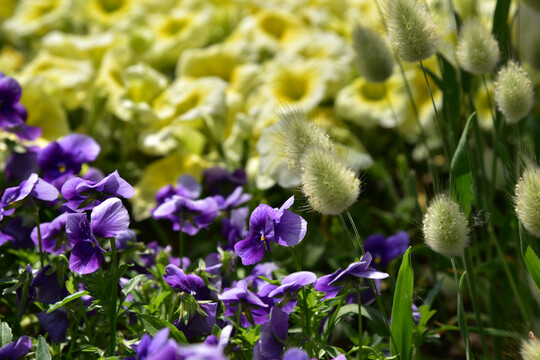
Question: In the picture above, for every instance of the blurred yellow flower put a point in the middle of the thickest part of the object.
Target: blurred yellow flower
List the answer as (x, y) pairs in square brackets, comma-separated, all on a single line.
[(175, 32), (40, 97), (36, 17), (218, 60), (83, 47), (74, 77), (370, 104), (109, 82), (10, 59), (141, 86), (108, 12)]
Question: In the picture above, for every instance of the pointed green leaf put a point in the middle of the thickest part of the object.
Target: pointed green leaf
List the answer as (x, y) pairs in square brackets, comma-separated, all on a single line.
[(153, 324), (43, 352), (131, 284), (5, 334), (67, 299), (460, 172), (532, 262), (402, 326)]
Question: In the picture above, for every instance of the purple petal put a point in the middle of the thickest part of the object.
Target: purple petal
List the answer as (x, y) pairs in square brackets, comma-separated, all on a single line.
[(55, 323), (295, 354), (69, 189), (282, 209), (249, 251), (10, 91), (85, 257), (260, 216), (188, 187), (78, 228), (109, 218), (82, 148), (44, 191), (291, 229)]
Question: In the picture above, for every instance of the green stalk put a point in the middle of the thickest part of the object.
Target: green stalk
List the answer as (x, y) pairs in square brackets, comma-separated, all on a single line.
[(114, 283), (463, 326), (36, 217)]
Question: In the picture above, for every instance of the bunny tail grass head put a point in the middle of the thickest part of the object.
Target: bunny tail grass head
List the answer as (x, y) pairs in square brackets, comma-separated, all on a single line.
[(527, 199), (373, 59), (297, 134), (445, 227), (328, 184), (514, 92), (411, 30), (530, 348), (478, 51)]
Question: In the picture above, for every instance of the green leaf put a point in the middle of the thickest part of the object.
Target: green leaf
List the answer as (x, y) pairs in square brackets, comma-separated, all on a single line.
[(460, 172), (532, 262), (67, 299), (462, 320), (153, 324), (43, 352), (402, 326), (131, 284), (5, 334)]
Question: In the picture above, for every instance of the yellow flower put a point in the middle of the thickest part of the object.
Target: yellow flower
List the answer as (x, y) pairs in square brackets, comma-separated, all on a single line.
[(73, 77), (36, 17), (175, 32), (40, 97), (10, 59), (369, 104), (218, 60), (269, 30), (108, 12), (7, 8), (141, 86), (83, 47), (109, 83)]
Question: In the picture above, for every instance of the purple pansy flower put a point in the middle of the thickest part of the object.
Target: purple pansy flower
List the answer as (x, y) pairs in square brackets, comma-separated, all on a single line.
[(20, 166), (84, 194), (107, 220), (52, 234), (268, 225), (16, 349), (158, 348), (262, 269), (273, 336), (188, 283), (385, 249), (295, 354), (188, 216), (253, 310), (198, 324), (33, 186), (290, 285), (236, 198), (62, 159), (12, 113), (186, 186), (342, 280), (55, 323)]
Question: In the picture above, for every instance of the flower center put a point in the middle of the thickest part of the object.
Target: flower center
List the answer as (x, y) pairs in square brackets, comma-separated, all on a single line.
[(262, 238), (62, 168), (377, 259)]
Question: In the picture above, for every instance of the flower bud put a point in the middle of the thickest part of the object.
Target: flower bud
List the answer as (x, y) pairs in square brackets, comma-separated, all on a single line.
[(411, 30), (514, 93), (328, 184), (298, 134), (530, 348), (445, 227), (527, 199), (478, 51), (373, 59)]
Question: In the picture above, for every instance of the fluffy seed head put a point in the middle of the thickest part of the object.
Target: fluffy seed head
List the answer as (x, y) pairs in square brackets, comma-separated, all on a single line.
[(298, 134), (411, 30), (328, 184), (527, 199), (445, 227), (373, 59), (478, 51), (530, 349), (514, 93)]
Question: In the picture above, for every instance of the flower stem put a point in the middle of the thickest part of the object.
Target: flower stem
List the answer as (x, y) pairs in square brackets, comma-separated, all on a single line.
[(360, 332), (445, 146), (38, 227), (464, 328), (114, 283)]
